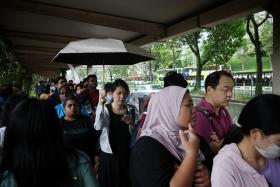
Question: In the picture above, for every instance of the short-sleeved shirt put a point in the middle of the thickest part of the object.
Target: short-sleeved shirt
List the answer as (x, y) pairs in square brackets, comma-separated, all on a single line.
[(54, 98), (207, 124), (151, 164), (80, 134), (94, 98), (60, 110)]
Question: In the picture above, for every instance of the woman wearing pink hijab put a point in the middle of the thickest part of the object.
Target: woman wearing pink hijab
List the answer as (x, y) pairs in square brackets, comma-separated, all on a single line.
[(167, 152)]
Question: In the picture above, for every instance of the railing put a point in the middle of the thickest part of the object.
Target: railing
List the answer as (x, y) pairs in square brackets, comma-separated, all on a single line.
[(248, 91), (242, 91)]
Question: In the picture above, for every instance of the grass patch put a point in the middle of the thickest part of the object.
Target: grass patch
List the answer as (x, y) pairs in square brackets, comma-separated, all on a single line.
[(248, 63)]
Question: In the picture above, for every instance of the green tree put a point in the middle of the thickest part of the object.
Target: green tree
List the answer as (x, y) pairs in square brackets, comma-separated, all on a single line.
[(266, 36), (192, 40), (223, 41), (174, 47), (253, 23), (11, 72), (164, 54), (167, 54), (120, 71), (218, 44), (160, 52)]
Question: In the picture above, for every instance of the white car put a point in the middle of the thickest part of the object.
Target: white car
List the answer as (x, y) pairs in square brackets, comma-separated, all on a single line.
[(142, 91), (145, 90)]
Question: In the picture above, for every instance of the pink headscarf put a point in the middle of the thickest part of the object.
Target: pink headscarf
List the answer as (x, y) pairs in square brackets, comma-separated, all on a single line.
[(161, 122)]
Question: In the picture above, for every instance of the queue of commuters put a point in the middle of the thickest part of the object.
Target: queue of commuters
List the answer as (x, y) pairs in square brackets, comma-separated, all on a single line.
[(81, 136)]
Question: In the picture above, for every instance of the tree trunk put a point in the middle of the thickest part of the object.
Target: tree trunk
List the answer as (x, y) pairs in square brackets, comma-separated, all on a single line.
[(198, 64), (256, 41), (258, 50), (258, 90), (151, 73), (111, 74), (198, 72)]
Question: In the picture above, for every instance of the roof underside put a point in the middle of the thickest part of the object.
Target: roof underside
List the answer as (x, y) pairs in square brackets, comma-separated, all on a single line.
[(38, 30)]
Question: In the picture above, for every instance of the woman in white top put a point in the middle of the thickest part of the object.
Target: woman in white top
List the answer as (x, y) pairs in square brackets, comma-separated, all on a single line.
[(115, 120)]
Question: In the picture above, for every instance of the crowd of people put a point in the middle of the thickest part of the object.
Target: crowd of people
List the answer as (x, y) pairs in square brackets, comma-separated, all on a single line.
[(251, 80), (77, 135)]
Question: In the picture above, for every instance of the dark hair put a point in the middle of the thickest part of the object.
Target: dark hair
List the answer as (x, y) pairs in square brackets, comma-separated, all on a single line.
[(234, 135), (261, 112), (108, 87), (8, 107), (6, 90), (79, 85), (71, 98), (58, 78), (84, 81), (91, 76), (66, 89), (213, 79), (33, 148), (173, 78), (120, 83), (46, 89)]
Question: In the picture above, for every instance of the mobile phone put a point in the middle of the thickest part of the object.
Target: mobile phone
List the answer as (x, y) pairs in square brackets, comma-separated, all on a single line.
[(126, 116)]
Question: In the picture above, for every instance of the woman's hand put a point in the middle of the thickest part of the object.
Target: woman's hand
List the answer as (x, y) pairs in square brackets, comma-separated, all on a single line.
[(102, 95), (127, 118), (201, 177), (189, 140), (184, 175), (216, 143)]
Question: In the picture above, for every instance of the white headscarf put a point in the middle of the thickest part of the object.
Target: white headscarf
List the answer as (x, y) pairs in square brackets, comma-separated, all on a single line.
[(161, 122)]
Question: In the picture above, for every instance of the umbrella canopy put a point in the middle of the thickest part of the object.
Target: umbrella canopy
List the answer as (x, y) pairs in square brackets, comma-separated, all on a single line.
[(101, 52)]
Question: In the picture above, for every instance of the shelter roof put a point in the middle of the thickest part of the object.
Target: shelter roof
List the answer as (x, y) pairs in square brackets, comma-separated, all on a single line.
[(38, 29)]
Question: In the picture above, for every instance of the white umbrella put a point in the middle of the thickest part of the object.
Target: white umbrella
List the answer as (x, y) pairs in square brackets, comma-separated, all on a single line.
[(102, 52)]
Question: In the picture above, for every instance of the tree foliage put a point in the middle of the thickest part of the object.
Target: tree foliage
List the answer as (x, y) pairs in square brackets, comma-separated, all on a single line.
[(266, 36), (192, 40), (253, 24), (11, 72), (167, 54), (223, 41)]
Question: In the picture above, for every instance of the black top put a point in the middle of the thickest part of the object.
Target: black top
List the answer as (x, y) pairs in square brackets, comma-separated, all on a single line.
[(80, 134), (119, 135), (151, 164), (54, 98)]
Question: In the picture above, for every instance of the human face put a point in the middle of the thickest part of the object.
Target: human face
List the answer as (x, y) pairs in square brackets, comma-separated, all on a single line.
[(263, 141), (92, 82), (60, 83), (119, 95), (222, 94), (79, 90), (63, 93), (71, 109), (187, 112), (267, 146)]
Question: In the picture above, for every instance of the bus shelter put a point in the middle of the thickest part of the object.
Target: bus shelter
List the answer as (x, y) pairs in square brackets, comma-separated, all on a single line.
[(38, 29)]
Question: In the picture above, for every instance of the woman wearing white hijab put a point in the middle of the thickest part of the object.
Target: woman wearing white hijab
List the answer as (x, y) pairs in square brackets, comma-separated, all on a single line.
[(167, 151)]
